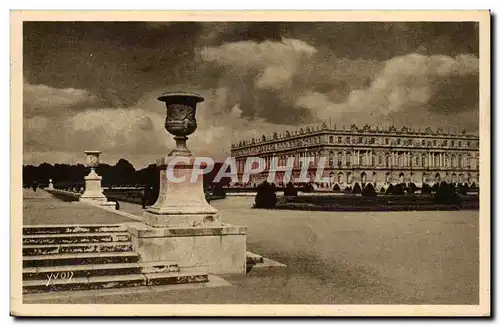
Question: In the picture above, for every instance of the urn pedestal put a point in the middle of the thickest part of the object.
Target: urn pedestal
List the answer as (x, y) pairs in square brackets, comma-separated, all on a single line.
[(93, 191), (181, 203), (182, 226)]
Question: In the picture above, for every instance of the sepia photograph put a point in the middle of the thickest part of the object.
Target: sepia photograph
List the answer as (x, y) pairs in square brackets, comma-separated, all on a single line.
[(250, 163)]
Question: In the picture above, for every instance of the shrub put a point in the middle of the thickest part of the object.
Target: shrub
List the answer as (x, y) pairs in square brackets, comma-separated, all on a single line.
[(399, 189), (347, 189), (219, 191), (369, 191), (266, 197), (290, 190), (307, 187), (390, 189), (435, 187), (426, 189), (412, 188), (463, 189), (356, 189), (446, 194), (336, 188), (382, 190)]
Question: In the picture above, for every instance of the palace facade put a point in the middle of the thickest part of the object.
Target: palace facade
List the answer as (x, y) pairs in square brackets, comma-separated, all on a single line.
[(367, 155)]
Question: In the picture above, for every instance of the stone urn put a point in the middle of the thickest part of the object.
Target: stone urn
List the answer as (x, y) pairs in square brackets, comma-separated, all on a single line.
[(181, 118), (92, 159)]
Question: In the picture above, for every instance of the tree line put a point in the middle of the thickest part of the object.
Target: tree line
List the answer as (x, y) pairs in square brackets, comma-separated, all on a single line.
[(123, 173)]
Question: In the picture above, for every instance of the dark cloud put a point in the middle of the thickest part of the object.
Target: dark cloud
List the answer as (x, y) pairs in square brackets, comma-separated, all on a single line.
[(101, 79), (117, 62), (454, 94), (120, 61), (354, 40)]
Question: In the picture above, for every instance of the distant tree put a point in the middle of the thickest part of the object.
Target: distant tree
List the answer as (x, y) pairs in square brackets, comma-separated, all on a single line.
[(382, 190), (347, 190), (123, 172), (390, 189)]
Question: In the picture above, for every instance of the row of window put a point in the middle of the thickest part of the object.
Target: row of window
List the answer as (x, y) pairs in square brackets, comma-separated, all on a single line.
[(358, 140), (458, 161), (399, 141)]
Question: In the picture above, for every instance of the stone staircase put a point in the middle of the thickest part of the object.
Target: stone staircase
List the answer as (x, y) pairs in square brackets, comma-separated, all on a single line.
[(92, 257)]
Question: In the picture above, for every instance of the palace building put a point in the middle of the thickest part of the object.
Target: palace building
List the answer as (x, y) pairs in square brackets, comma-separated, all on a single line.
[(367, 155)]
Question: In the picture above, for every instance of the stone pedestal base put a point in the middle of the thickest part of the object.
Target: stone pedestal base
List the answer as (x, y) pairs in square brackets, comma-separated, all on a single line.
[(181, 203), (93, 190), (222, 249), (178, 219)]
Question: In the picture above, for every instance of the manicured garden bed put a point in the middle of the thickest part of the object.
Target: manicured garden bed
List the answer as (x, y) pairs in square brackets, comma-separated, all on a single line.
[(379, 203)]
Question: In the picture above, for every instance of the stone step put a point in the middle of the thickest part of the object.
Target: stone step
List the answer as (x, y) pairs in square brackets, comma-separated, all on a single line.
[(159, 267), (253, 258), (44, 273), (51, 249), (108, 282), (73, 228), (76, 271), (80, 258), (39, 239), (175, 278)]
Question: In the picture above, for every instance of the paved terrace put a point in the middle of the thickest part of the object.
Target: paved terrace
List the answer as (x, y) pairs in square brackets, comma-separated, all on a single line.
[(332, 257), (40, 207)]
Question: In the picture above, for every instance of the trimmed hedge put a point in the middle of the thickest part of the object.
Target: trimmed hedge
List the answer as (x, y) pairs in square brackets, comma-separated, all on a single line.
[(266, 196)]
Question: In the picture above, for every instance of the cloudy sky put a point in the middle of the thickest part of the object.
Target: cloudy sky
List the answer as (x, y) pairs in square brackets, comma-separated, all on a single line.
[(93, 85)]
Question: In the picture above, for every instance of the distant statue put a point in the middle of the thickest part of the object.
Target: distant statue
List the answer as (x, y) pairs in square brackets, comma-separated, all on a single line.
[(143, 198), (34, 186)]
